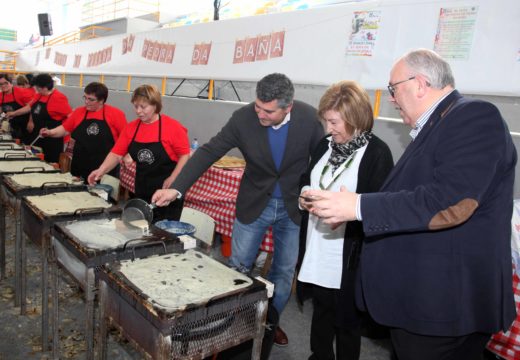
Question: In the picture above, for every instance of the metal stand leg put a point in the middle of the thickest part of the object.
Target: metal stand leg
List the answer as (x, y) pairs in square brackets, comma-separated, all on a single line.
[(55, 305), (102, 335), (23, 270), (90, 294), (3, 236), (17, 253), (261, 314), (45, 291)]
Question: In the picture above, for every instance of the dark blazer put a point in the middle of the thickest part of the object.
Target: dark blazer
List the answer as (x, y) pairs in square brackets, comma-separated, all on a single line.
[(243, 131), (373, 169), (443, 266)]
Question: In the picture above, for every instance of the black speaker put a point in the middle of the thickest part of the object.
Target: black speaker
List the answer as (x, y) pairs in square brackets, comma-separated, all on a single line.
[(44, 21)]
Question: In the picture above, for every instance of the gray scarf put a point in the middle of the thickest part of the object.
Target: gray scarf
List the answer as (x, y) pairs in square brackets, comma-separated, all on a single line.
[(341, 152)]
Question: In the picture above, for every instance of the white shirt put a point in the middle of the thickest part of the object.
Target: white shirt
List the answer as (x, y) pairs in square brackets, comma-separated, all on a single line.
[(323, 261)]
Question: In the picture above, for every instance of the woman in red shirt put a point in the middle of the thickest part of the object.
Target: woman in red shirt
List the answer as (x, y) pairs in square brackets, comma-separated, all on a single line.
[(157, 143), (11, 99), (94, 127), (48, 109)]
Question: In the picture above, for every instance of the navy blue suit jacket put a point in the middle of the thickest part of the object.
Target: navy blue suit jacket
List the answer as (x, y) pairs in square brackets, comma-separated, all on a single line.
[(438, 257)]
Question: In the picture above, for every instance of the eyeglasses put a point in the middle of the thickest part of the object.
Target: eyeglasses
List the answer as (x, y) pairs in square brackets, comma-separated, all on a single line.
[(89, 99), (391, 87), (4, 83)]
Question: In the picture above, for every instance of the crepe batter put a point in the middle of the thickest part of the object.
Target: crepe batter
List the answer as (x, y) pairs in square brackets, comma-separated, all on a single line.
[(67, 202), (18, 166), (176, 280), (38, 179), (102, 233)]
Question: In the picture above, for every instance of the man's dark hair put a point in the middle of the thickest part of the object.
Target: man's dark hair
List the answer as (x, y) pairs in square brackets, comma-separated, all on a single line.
[(30, 77), (99, 90), (44, 81), (275, 86)]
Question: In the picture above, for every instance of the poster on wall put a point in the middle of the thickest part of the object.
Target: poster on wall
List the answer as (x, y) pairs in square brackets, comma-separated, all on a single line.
[(454, 37), (362, 39)]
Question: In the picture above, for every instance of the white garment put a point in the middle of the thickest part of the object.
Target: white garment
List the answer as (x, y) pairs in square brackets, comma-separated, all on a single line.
[(323, 261)]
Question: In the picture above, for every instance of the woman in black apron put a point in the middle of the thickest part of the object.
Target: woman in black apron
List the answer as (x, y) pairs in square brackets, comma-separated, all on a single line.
[(52, 147), (153, 166), (93, 141), (147, 140), (93, 137), (18, 123)]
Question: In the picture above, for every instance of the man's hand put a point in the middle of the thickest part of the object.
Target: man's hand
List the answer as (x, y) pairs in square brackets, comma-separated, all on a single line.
[(333, 207), (164, 197)]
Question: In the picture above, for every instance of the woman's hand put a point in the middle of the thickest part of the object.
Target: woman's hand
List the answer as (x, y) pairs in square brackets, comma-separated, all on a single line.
[(30, 125), (127, 160), (168, 182), (44, 132), (95, 176), (305, 201)]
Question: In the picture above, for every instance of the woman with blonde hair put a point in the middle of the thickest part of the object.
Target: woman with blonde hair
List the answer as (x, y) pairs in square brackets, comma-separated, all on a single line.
[(350, 157), (157, 143)]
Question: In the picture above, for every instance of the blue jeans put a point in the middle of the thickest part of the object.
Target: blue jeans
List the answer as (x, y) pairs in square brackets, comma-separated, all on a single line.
[(247, 239)]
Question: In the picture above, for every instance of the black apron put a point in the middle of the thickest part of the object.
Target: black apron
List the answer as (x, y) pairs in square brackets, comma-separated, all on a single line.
[(18, 123), (153, 166), (52, 147), (93, 141)]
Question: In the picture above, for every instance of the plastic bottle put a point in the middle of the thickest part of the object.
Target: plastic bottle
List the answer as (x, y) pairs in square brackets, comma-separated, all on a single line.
[(194, 145)]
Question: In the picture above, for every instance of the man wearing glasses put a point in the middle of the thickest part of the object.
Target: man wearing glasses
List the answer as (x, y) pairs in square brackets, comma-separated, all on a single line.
[(11, 99), (439, 272), (94, 127)]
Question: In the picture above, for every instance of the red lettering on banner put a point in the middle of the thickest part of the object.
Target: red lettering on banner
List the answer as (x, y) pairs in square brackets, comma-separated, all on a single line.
[(145, 48), (96, 58), (205, 52), (156, 51), (125, 46), (170, 53), (131, 39), (195, 57), (250, 50), (77, 61), (162, 54), (277, 42), (262, 49), (60, 59), (239, 51), (201, 54)]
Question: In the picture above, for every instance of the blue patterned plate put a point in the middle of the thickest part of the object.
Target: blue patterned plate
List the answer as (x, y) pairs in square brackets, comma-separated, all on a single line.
[(176, 227)]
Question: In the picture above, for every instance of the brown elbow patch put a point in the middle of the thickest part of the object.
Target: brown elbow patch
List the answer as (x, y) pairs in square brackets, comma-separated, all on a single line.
[(454, 215)]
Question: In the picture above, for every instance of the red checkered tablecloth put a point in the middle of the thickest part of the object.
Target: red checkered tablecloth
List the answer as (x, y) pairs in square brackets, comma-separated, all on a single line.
[(507, 345), (214, 193), (127, 177)]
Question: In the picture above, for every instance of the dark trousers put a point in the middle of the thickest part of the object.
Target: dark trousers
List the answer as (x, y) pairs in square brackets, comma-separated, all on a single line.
[(409, 346), (323, 329)]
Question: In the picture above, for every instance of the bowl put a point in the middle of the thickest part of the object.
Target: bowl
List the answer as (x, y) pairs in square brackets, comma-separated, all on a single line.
[(176, 227)]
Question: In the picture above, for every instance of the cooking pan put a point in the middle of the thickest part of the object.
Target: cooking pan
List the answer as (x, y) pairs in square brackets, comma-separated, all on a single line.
[(137, 209)]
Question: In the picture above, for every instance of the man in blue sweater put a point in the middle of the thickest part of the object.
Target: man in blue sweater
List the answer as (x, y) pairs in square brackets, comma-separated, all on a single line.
[(276, 135)]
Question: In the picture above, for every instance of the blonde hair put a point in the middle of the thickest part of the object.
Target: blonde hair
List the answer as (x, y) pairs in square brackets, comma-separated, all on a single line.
[(352, 102), (149, 94)]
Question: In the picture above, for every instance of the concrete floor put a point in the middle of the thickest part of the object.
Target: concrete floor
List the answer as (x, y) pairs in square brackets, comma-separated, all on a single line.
[(20, 337)]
